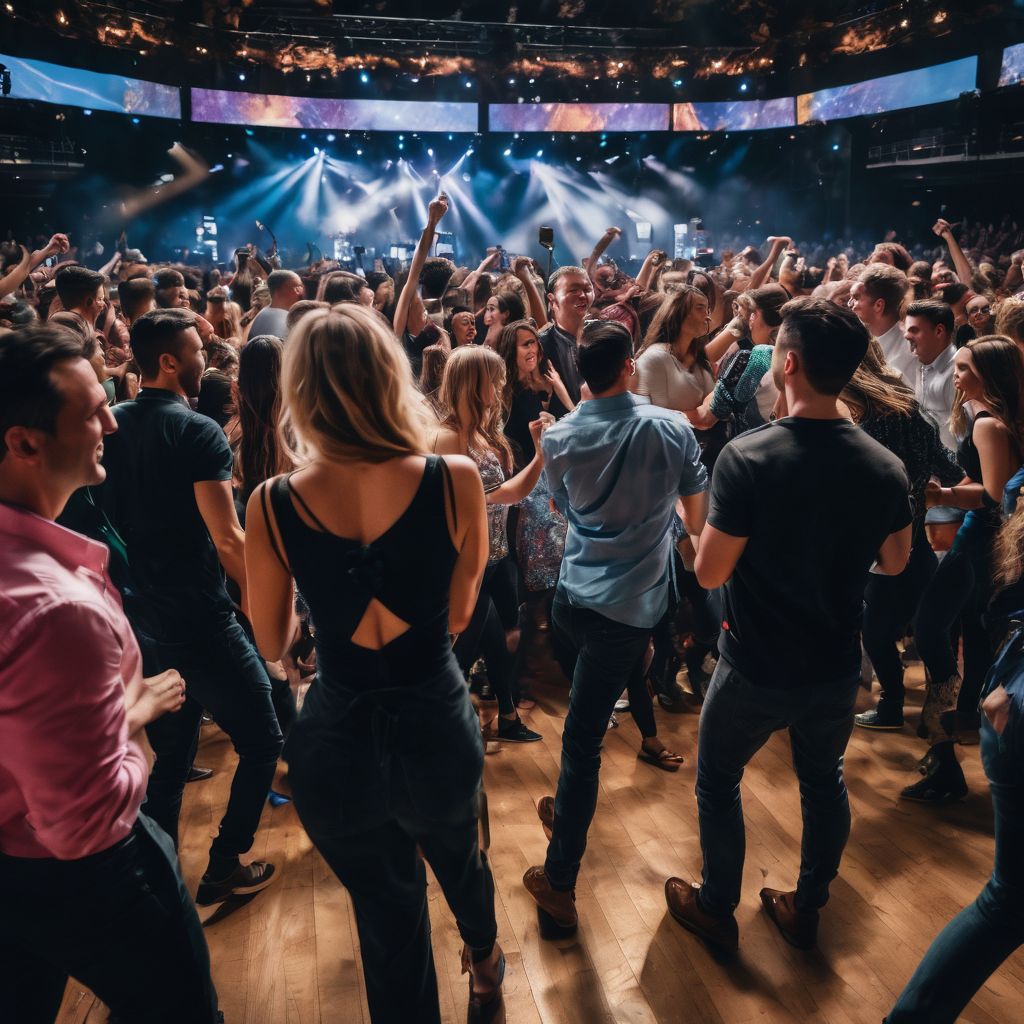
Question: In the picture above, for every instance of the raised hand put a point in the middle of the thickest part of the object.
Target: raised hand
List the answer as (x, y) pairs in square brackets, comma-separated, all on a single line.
[(160, 694), (942, 228), (437, 209), (780, 241), (613, 233), (520, 265)]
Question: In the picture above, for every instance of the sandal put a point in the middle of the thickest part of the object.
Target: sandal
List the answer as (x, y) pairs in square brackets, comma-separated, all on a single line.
[(667, 760)]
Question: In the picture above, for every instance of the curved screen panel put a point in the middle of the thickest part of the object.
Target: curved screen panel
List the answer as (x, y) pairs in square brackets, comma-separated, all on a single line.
[(578, 117), (936, 84), (250, 108), (73, 87), (741, 115), (1012, 71)]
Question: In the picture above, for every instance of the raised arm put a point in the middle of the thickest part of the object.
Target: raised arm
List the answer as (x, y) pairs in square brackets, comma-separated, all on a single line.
[(602, 243), (13, 280), (961, 264), (655, 258), (521, 269), (437, 209), (778, 246), (488, 263)]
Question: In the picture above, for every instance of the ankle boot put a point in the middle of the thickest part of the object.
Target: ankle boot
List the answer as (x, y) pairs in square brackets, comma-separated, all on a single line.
[(944, 779)]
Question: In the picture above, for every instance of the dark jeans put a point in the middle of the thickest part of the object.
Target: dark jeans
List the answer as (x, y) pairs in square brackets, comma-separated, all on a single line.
[(120, 921), (224, 675), (889, 606), (737, 719), (374, 776), (609, 655), (497, 609), (984, 934), (960, 588)]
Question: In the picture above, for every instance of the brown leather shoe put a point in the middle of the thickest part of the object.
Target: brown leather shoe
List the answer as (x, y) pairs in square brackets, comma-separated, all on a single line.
[(546, 813), (720, 932), (559, 906), (486, 1005), (798, 927)]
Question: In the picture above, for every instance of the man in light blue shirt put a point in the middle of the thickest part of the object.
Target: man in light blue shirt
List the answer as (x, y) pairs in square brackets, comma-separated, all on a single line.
[(615, 467)]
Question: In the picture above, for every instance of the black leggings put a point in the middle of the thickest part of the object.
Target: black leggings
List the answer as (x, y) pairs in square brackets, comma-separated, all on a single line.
[(496, 611)]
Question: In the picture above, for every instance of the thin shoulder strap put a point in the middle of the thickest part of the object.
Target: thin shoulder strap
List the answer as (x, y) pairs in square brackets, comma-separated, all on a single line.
[(305, 508), (272, 525), (449, 487)]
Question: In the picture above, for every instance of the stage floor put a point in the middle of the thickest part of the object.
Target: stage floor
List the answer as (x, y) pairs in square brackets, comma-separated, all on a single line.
[(290, 956)]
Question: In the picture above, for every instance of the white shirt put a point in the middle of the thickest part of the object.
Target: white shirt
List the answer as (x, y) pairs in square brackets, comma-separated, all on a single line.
[(897, 353), (935, 392)]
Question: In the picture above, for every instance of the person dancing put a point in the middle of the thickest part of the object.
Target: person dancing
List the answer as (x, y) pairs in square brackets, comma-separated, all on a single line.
[(386, 754)]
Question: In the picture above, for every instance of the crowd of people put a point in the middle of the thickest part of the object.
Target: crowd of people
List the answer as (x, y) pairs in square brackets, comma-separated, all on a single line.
[(751, 488)]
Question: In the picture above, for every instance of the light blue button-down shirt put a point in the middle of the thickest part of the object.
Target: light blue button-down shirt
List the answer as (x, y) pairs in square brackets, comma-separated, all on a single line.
[(615, 467)]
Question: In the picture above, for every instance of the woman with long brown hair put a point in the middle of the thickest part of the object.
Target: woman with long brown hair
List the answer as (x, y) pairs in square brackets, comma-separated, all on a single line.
[(988, 416), (881, 404), (471, 424), (388, 547)]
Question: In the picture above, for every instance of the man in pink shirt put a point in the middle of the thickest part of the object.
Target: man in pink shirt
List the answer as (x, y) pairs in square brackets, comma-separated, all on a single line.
[(91, 888)]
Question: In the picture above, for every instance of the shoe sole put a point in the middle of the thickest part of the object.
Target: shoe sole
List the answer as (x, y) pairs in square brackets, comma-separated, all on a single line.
[(510, 739), (878, 728)]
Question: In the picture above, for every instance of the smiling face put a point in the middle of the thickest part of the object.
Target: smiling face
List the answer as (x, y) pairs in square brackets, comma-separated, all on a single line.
[(867, 309), (926, 340), (572, 297), (527, 353), (965, 376)]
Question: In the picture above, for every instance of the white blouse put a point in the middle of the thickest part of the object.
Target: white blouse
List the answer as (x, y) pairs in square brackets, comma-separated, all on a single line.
[(666, 382)]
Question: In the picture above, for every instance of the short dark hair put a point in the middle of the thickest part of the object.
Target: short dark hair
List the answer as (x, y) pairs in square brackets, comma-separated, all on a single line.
[(563, 272), (28, 397), (938, 314), (341, 286), (829, 338), (603, 349), (76, 284), (134, 294), (435, 275), (277, 280), (886, 283), (953, 292), (156, 333), (165, 281)]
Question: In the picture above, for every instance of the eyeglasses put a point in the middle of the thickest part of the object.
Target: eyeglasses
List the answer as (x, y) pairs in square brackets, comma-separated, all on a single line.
[(980, 311)]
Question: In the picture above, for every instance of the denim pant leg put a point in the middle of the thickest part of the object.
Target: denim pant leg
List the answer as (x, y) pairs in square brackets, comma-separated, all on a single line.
[(735, 722), (818, 738), (973, 945), (224, 674), (121, 922), (944, 598), (608, 652), (385, 877)]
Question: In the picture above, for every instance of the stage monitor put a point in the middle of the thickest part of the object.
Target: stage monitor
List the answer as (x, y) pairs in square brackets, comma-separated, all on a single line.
[(1012, 71), (314, 112), (935, 84), (73, 87), (734, 116), (578, 117)]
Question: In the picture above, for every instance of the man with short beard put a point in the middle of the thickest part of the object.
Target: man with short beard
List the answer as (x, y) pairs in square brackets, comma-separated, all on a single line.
[(168, 493)]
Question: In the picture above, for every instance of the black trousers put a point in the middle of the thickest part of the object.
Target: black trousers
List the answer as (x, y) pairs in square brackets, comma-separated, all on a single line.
[(120, 921)]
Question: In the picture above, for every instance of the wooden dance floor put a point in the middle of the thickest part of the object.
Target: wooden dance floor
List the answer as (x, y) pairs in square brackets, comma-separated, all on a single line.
[(289, 956)]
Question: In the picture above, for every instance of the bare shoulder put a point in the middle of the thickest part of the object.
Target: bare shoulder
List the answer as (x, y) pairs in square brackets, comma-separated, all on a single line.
[(988, 428), (463, 469)]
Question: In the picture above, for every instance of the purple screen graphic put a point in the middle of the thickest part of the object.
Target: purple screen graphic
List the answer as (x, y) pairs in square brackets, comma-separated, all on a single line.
[(1012, 71), (936, 84), (257, 109), (578, 117), (736, 116), (73, 87)]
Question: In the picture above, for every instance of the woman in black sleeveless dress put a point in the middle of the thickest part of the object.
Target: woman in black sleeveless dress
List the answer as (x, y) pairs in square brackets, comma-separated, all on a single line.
[(387, 547)]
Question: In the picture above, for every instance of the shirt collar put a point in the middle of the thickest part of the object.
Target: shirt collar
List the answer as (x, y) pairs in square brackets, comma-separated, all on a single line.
[(71, 549), (159, 395), (894, 332), (944, 360), (614, 403)]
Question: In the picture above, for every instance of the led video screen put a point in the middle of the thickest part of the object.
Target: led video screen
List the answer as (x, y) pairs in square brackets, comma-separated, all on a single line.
[(892, 92), (738, 116), (1012, 70), (578, 117), (257, 109), (73, 87)]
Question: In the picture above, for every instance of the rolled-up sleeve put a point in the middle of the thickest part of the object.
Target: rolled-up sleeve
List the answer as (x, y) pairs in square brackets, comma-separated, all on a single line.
[(63, 733)]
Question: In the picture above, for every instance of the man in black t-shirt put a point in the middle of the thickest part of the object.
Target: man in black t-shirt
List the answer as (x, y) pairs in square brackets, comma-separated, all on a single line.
[(168, 494), (570, 294), (800, 509)]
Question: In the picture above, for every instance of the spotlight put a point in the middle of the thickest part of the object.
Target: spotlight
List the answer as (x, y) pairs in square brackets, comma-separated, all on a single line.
[(135, 120), (241, 76), (469, 85), (330, 138), (469, 152), (88, 113), (678, 82), (540, 152), (316, 151), (364, 78), (511, 81), (743, 86), (303, 136), (401, 145), (359, 152), (835, 147), (508, 152), (430, 152)]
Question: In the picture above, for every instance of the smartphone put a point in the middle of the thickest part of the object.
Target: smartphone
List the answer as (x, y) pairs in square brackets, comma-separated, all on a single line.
[(505, 261), (546, 237), (50, 261)]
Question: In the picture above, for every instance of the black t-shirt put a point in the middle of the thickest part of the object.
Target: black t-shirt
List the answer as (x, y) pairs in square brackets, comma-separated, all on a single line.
[(526, 406), (160, 450), (560, 348), (816, 500)]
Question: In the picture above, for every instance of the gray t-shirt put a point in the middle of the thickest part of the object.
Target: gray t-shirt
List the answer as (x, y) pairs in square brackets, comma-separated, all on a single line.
[(270, 321)]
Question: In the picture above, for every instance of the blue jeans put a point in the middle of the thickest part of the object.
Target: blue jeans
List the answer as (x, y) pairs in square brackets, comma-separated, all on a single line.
[(737, 720), (607, 654), (984, 934), (224, 675), (120, 921)]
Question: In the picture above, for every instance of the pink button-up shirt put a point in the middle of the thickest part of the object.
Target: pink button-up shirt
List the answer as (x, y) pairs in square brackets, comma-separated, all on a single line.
[(71, 782)]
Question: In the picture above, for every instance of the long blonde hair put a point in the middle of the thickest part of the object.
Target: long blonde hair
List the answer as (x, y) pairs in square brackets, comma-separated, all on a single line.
[(348, 389), (1000, 368), (1009, 549), (470, 368), (875, 389)]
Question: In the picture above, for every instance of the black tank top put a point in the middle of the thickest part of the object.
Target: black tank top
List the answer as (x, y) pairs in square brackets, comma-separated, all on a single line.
[(408, 569)]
